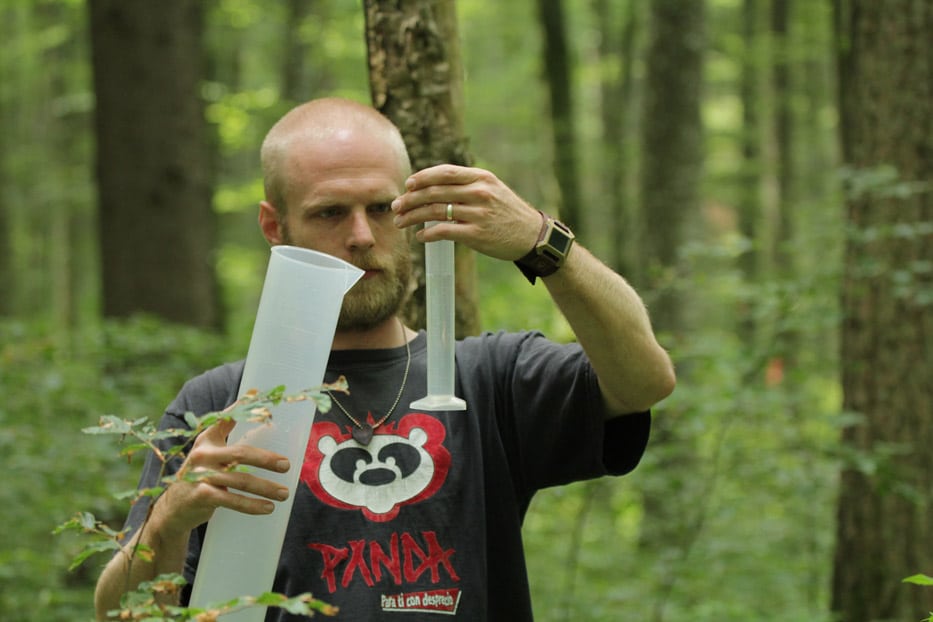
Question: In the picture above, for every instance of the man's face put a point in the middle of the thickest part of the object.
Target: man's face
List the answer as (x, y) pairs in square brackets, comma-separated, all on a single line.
[(338, 203)]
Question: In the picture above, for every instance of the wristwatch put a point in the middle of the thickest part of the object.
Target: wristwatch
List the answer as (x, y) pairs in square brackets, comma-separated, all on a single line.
[(549, 252)]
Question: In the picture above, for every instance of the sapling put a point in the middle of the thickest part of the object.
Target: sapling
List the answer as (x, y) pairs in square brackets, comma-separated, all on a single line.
[(151, 600)]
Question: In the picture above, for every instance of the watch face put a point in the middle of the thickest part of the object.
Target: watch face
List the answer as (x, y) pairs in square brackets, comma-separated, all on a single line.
[(559, 240)]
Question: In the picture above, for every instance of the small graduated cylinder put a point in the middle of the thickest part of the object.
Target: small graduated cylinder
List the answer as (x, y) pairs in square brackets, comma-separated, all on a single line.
[(439, 299)]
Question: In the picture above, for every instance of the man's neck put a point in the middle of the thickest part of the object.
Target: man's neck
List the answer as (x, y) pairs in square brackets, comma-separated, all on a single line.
[(391, 333)]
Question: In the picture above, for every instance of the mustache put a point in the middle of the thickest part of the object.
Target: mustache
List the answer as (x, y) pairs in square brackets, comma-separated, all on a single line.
[(368, 261)]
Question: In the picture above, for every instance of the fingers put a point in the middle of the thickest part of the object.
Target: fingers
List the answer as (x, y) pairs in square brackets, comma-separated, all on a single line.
[(428, 192), (240, 491), (486, 214), (444, 175), (210, 478)]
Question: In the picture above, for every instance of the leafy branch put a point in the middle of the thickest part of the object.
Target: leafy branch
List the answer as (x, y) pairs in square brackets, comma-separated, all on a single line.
[(148, 600)]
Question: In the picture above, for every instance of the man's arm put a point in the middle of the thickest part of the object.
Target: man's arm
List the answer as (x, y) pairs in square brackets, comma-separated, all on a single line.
[(606, 314), (186, 505), (611, 323), (126, 571)]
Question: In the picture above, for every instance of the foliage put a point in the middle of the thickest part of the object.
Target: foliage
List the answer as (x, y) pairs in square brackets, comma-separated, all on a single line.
[(140, 435), (756, 533), (754, 538), (53, 385)]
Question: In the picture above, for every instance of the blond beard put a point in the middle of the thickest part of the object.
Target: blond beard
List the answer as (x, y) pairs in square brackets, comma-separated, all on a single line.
[(372, 301)]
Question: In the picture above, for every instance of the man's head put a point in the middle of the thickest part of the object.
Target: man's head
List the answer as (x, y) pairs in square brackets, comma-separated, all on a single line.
[(323, 121), (331, 169)]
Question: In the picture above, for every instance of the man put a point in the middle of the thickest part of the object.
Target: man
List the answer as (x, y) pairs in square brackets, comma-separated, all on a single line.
[(399, 513)]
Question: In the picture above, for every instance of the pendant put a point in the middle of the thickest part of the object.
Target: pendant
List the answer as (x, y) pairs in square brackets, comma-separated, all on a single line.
[(363, 433)]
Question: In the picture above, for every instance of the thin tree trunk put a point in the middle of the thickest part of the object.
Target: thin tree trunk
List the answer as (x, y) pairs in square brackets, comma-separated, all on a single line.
[(416, 80), (672, 164), (672, 143), (154, 166), (558, 77), (6, 232), (783, 134), (296, 74), (884, 532), (616, 111), (750, 208), (750, 88)]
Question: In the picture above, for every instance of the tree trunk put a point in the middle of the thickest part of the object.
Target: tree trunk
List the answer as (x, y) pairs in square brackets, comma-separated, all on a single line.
[(617, 50), (296, 74), (415, 76), (672, 143), (557, 71), (750, 208), (156, 224), (884, 532), (749, 211), (6, 233), (672, 162), (783, 134)]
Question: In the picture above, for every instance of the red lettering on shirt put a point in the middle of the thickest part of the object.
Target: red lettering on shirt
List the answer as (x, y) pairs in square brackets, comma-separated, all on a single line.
[(392, 563), (331, 557), (436, 556), (352, 560)]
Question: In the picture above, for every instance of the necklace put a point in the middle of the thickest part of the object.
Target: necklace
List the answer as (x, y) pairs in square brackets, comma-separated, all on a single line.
[(363, 432)]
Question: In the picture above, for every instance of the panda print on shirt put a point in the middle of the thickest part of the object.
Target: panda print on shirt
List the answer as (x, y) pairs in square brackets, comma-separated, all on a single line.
[(405, 464)]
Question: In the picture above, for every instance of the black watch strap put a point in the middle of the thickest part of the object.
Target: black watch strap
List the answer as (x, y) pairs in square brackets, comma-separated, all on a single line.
[(545, 258)]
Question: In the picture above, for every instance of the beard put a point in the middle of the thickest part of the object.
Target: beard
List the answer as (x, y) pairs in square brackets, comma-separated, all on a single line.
[(374, 300), (371, 301)]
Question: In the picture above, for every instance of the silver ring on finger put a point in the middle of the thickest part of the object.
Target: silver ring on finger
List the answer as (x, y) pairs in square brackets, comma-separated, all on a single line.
[(450, 212)]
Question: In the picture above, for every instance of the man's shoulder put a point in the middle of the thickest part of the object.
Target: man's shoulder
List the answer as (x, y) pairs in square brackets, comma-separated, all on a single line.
[(209, 391), (499, 339), (504, 343)]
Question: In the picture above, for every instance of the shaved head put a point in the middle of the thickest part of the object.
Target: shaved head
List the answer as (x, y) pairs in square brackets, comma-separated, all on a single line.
[(327, 121)]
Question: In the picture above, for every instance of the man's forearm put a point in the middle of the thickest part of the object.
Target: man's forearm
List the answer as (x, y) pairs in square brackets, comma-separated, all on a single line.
[(128, 569), (611, 323)]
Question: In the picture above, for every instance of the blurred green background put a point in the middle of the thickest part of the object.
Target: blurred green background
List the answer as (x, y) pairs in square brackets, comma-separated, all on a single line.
[(752, 536)]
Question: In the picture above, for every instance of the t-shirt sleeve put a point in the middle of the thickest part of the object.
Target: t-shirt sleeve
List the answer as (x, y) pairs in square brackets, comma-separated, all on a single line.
[(558, 426)]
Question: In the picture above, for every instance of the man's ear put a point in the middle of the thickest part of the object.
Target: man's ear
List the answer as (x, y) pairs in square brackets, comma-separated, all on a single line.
[(269, 223)]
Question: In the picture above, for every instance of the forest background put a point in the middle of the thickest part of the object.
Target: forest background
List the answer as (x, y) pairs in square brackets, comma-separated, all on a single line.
[(700, 148)]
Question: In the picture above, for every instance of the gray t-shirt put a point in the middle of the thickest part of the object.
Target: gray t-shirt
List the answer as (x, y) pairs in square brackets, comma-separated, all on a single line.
[(426, 519)]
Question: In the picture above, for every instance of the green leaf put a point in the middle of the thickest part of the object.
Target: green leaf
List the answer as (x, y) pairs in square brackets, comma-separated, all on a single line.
[(191, 419), (919, 579), (110, 424), (92, 549)]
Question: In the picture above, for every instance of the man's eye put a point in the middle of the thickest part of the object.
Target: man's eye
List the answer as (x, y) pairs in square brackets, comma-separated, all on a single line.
[(329, 212), (380, 208)]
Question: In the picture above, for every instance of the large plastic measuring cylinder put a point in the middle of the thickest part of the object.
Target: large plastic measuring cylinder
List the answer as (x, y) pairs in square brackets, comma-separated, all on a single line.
[(439, 300), (290, 345)]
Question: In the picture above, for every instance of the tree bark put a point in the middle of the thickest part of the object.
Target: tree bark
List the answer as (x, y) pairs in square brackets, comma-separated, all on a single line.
[(156, 224), (884, 532), (617, 50), (557, 72), (672, 162), (750, 89), (672, 143), (415, 76), (6, 232), (296, 74), (782, 79)]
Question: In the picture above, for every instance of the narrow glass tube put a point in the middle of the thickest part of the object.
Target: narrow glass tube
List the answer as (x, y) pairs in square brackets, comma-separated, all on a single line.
[(439, 300)]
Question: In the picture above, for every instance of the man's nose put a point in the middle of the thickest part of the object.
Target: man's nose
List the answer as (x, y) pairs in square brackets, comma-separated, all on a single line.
[(361, 231)]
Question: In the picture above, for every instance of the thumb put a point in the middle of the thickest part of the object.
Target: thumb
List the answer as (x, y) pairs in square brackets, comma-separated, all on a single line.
[(219, 432)]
